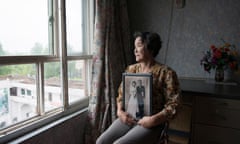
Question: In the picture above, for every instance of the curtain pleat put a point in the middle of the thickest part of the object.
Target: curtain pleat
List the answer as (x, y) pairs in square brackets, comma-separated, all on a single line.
[(112, 53)]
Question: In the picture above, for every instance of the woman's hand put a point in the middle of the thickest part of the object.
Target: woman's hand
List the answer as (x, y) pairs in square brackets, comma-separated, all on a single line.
[(154, 120), (126, 118), (147, 122)]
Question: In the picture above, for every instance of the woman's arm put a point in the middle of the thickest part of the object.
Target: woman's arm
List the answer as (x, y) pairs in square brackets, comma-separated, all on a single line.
[(172, 97)]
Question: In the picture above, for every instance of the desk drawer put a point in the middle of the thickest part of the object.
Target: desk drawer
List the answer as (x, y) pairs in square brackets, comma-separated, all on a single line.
[(215, 135), (220, 112)]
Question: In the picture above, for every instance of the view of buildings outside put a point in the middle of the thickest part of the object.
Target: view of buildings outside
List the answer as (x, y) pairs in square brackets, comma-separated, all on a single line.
[(18, 95)]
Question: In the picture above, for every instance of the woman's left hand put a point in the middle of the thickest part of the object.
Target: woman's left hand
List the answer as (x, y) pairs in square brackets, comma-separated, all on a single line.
[(147, 122)]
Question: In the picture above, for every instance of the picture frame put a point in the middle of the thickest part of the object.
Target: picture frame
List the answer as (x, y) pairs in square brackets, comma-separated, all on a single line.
[(137, 94)]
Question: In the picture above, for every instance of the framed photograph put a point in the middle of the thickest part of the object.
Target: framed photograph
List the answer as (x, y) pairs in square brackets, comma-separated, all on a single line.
[(137, 94)]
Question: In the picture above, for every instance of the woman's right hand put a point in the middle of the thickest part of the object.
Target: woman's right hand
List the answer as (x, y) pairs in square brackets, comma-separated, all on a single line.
[(126, 118)]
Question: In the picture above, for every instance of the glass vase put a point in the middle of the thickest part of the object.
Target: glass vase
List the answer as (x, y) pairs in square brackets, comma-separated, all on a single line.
[(219, 75)]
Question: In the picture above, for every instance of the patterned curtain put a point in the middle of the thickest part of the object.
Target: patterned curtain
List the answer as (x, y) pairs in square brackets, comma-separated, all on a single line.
[(112, 54)]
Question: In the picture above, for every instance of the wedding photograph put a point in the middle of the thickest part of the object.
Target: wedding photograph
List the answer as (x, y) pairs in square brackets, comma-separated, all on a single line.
[(137, 89)]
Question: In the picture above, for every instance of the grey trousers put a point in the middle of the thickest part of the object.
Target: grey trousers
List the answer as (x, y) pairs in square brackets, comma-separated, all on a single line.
[(120, 133)]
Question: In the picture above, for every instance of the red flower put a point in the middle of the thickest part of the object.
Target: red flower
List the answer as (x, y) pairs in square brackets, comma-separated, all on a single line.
[(217, 54), (227, 49), (213, 47), (233, 65)]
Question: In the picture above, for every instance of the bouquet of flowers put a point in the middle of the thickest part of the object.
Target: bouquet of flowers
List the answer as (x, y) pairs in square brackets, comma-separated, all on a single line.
[(222, 57)]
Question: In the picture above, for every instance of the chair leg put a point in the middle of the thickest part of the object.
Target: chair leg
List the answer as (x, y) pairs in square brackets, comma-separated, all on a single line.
[(163, 139)]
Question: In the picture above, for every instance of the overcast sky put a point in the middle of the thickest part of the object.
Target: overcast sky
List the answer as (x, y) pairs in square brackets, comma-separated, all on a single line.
[(22, 25), (25, 22)]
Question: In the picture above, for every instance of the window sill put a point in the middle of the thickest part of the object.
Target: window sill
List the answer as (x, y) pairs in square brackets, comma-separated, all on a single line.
[(40, 126)]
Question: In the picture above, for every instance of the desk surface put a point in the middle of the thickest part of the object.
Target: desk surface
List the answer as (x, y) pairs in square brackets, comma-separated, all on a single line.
[(203, 87)]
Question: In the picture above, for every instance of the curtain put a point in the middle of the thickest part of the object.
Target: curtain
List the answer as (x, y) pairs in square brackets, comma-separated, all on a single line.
[(112, 53)]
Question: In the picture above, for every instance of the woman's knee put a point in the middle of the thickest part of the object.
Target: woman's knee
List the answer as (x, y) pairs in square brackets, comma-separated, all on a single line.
[(117, 142), (100, 140), (124, 141), (104, 139)]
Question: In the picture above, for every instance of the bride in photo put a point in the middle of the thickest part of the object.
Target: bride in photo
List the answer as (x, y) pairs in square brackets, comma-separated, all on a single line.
[(132, 107)]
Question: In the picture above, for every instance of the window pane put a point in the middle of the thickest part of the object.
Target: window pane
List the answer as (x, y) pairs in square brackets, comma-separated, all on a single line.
[(24, 27), (74, 26), (52, 87), (76, 80), (18, 98)]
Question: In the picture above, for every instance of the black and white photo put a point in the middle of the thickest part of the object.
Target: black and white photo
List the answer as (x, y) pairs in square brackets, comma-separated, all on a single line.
[(137, 93)]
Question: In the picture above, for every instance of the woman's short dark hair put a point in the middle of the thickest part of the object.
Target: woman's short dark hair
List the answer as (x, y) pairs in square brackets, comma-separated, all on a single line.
[(151, 40)]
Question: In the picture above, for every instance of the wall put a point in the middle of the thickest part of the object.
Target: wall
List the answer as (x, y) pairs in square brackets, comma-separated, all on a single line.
[(70, 131), (187, 32)]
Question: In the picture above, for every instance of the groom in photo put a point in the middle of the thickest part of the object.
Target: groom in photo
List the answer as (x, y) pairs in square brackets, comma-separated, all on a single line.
[(140, 93)]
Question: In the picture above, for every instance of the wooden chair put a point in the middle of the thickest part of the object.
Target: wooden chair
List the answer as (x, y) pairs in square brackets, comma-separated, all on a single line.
[(178, 131), (163, 139)]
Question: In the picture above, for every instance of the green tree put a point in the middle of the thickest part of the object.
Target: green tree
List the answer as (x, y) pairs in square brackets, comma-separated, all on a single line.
[(5, 70), (52, 69), (23, 69)]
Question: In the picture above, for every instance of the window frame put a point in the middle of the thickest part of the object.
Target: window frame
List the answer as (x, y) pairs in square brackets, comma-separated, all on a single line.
[(59, 45)]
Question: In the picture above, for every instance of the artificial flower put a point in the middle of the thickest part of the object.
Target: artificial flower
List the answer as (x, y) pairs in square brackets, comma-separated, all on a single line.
[(222, 57)]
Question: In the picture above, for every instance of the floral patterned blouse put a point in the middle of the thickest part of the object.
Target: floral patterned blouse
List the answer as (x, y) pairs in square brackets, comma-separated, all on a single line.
[(166, 90)]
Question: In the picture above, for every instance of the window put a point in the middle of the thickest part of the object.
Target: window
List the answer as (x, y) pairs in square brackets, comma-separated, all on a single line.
[(29, 92), (45, 59), (13, 91), (25, 22), (22, 91)]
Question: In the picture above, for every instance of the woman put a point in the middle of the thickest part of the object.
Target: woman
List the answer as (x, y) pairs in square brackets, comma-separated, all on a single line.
[(165, 97)]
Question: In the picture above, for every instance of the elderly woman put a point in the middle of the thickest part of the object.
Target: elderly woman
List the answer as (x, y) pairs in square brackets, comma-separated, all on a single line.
[(165, 97)]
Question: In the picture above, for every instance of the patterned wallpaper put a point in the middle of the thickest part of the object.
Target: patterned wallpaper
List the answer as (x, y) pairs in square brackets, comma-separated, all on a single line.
[(187, 32)]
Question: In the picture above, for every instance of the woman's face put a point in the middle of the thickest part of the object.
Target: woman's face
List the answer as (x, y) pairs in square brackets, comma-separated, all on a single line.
[(141, 53), (133, 84)]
